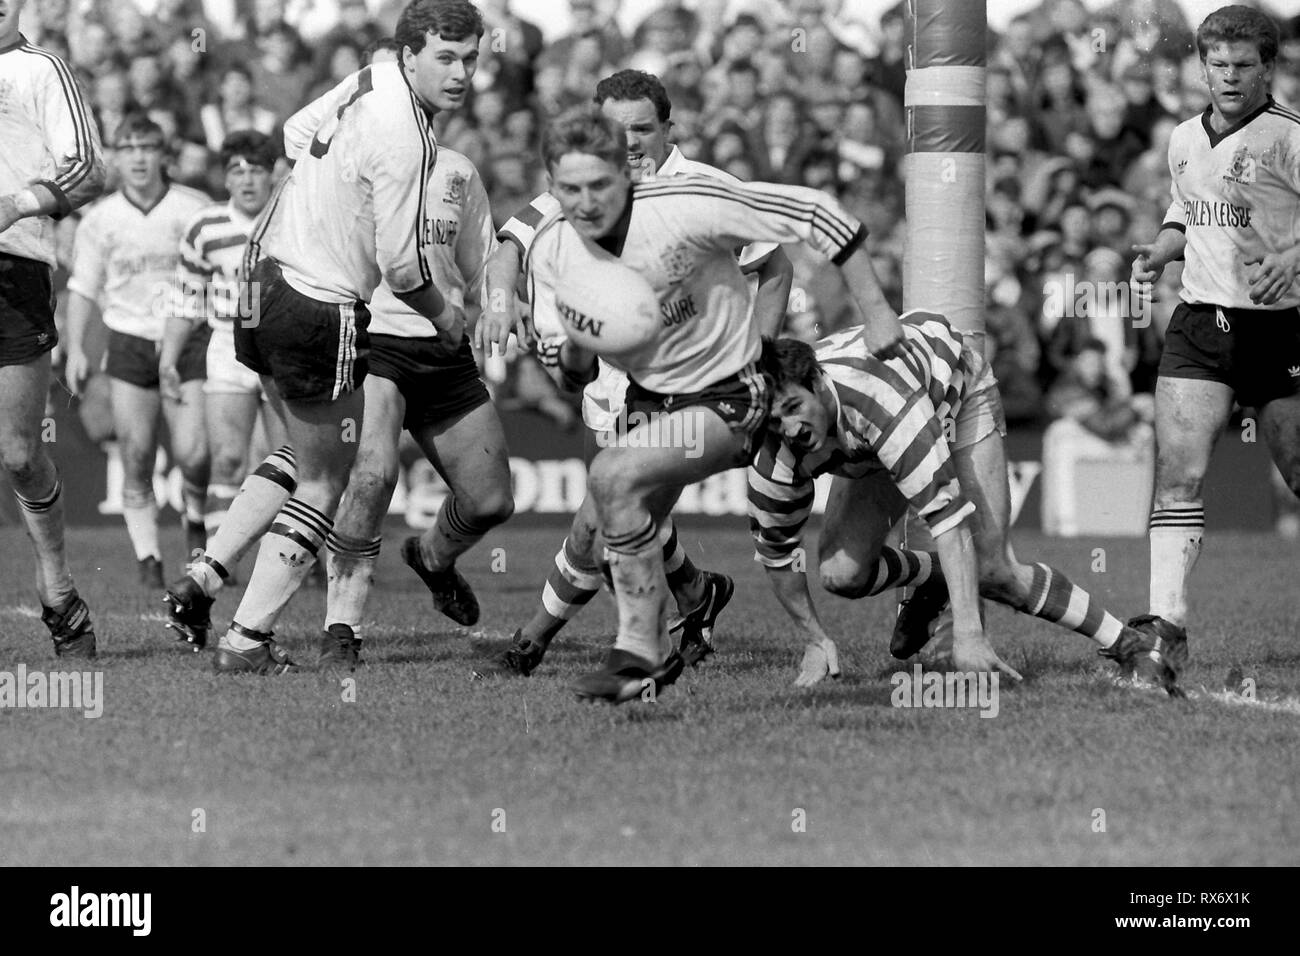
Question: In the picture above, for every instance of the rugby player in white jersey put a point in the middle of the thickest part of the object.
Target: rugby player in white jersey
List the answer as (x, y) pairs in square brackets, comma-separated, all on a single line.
[(1235, 216), (352, 213), (124, 262), (638, 102), (922, 427), (419, 382), (50, 164), (679, 234)]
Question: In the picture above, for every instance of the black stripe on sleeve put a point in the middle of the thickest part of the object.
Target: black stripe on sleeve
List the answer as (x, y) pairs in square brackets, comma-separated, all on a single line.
[(858, 239)]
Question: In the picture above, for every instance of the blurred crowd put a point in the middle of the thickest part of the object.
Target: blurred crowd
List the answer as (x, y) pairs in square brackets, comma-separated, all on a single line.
[(1081, 104)]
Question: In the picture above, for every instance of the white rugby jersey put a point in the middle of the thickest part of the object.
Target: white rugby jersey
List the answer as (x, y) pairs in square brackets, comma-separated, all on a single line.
[(602, 399), (1236, 194), (681, 236), (47, 136), (352, 212), (457, 227), (125, 258), (211, 264), (889, 414)]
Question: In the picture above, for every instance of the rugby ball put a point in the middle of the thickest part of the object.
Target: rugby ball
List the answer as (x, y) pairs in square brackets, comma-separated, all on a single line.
[(607, 307)]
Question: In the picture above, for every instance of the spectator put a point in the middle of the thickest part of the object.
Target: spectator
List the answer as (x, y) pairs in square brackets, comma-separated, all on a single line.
[(355, 28), (234, 109), (342, 61), (111, 101), (280, 73), (778, 145)]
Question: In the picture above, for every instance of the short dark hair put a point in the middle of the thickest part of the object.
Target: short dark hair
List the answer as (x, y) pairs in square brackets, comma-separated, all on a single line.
[(635, 85), (453, 20), (257, 149), (583, 129), (137, 124), (742, 65), (1230, 24), (790, 362)]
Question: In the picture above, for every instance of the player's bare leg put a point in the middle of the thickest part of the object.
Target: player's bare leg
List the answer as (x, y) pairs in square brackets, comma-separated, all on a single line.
[(322, 434), (36, 485), (189, 446), (1190, 416), (624, 481), (230, 418), (854, 561), (1040, 590), (353, 545), (1280, 422), (470, 454), (136, 415)]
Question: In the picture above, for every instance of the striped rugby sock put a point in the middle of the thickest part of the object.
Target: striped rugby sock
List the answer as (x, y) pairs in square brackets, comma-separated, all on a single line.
[(351, 570), (1175, 535), (284, 560), (902, 569), (1053, 597), (140, 509), (641, 590), (452, 535), (262, 496), (681, 573), (43, 518)]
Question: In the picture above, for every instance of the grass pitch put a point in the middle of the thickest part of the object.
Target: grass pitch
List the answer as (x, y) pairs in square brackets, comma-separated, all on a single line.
[(732, 765)]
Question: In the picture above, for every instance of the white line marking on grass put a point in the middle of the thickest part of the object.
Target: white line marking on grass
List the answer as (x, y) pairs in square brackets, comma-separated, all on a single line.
[(1280, 705), (21, 610)]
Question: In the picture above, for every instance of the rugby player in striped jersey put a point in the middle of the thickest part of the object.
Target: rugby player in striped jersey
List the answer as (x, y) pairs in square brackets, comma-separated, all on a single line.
[(50, 164), (700, 362), (921, 426)]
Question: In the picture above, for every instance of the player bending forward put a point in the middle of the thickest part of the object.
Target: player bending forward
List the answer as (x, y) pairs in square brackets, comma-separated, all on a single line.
[(677, 236), (638, 103), (877, 423), (1236, 216)]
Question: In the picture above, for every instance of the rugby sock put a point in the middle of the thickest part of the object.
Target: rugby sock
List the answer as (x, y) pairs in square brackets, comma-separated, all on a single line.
[(140, 509), (683, 576), (903, 569), (43, 519), (351, 569), (195, 498), (451, 536), (218, 502), (263, 494), (1053, 597), (1175, 534), (572, 583), (284, 560), (641, 590)]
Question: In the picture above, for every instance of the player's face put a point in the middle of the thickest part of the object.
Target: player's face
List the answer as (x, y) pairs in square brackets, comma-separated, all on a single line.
[(249, 186), (592, 192), (441, 73), (9, 10), (800, 418), (140, 161), (1237, 78), (647, 138)]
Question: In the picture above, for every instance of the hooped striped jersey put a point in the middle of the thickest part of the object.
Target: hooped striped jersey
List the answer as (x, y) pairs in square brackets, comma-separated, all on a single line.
[(456, 226), (1236, 194), (47, 136), (352, 211), (211, 264), (681, 236), (889, 415), (125, 258), (603, 398)]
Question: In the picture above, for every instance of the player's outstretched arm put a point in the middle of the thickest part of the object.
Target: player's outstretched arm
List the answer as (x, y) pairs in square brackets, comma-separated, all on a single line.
[(1152, 257), (821, 657), (971, 650), (878, 316), (77, 368), (444, 316)]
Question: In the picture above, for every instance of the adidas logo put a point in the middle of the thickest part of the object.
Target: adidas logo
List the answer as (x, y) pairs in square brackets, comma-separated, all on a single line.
[(1295, 371)]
